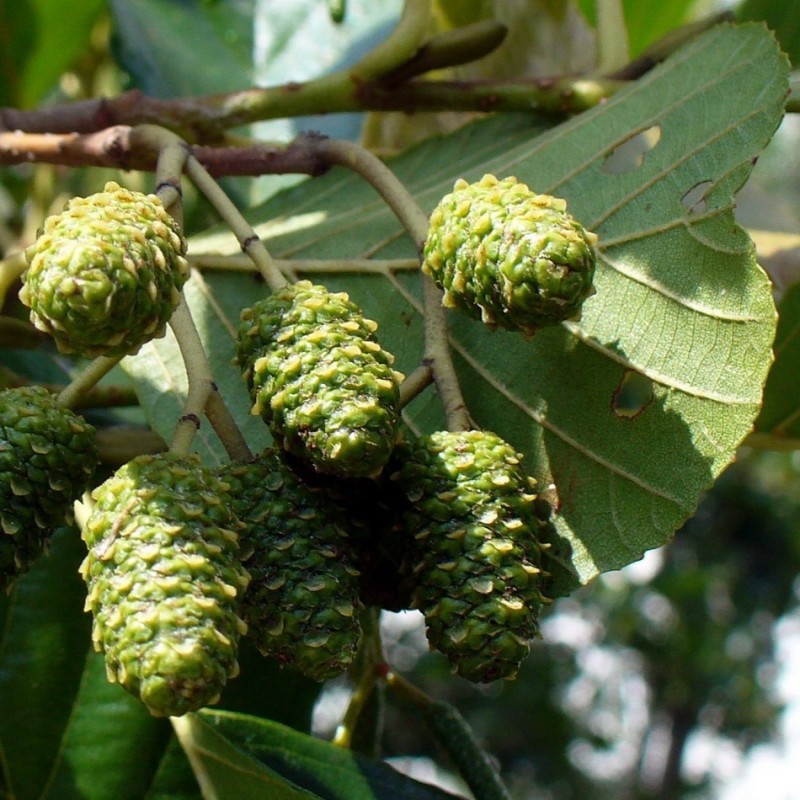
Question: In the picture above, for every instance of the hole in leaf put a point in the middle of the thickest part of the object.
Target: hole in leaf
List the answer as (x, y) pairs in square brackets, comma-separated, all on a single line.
[(695, 201), (632, 396), (629, 155)]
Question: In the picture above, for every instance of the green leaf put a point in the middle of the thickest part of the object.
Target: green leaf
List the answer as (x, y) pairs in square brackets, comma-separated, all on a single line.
[(778, 424), (627, 416), (646, 22), (226, 772), (42, 654), (230, 745), (39, 40), (782, 17), (66, 733), (193, 47), (17, 33), (225, 45)]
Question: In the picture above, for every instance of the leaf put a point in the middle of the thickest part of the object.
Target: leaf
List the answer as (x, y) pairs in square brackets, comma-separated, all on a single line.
[(627, 416), (646, 22), (778, 424), (178, 49), (226, 45), (228, 773), (56, 707), (783, 18), (39, 40), (66, 733), (303, 763)]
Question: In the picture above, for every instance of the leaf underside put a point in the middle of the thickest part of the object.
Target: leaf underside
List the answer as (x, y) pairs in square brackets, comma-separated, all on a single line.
[(626, 416)]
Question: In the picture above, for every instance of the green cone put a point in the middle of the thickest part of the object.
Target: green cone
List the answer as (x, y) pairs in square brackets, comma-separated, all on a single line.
[(165, 581), (477, 555), (105, 274), (321, 381), (302, 604), (509, 256), (47, 458)]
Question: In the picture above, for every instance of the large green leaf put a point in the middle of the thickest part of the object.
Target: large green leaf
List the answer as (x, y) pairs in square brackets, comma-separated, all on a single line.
[(242, 756), (627, 416), (66, 733), (56, 706)]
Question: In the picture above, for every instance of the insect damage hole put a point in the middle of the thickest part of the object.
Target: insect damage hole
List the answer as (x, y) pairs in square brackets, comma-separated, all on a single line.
[(695, 201), (629, 155), (633, 395)]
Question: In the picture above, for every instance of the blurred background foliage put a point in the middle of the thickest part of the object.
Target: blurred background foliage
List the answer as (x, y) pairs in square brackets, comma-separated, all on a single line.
[(633, 671)]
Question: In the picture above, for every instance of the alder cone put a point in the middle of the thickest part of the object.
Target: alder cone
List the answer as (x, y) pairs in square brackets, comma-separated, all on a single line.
[(105, 275), (477, 556), (509, 256), (303, 601), (321, 380), (47, 459), (165, 581)]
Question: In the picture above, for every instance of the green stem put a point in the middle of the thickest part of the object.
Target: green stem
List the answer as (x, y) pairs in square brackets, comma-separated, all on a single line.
[(451, 48), (457, 738), (249, 240), (437, 351), (384, 181), (203, 396), (242, 263), (364, 674), (102, 397), (612, 35), (224, 425), (198, 375), (84, 381), (169, 168), (415, 383), (439, 359), (401, 44)]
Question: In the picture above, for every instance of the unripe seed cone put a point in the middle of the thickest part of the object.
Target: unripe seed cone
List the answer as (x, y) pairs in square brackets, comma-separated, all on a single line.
[(105, 274), (477, 555), (319, 378), (302, 604), (47, 458), (509, 256), (165, 581)]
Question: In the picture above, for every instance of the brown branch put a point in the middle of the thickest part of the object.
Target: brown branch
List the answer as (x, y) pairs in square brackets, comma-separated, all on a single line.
[(205, 119), (113, 147)]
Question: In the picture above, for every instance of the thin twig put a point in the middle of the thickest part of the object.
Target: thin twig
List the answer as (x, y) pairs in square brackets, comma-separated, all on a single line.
[(205, 119), (82, 383), (247, 237), (224, 425), (385, 182), (439, 359), (198, 375), (239, 262), (415, 383), (364, 674)]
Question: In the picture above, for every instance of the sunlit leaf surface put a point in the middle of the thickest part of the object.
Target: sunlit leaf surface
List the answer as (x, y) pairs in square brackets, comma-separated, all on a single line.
[(626, 416)]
